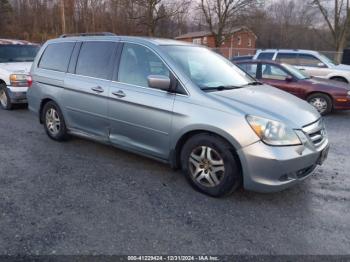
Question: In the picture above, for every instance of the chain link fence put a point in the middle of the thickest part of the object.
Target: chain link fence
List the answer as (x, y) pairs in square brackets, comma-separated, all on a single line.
[(235, 52)]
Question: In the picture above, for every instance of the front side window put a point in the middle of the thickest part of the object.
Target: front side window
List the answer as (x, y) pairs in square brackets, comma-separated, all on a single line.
[(96, 59), (296, 72), (56, 56), (18, 53), (206, 69), (250, 68), (310, 60), (287, 58), (137, 63), (273, 72)]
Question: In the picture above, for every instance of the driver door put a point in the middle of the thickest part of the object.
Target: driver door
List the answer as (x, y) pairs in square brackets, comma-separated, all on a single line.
[(140, 116)]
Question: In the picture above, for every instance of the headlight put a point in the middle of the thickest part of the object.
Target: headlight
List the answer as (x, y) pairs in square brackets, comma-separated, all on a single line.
[(272, 132), (19, 80)]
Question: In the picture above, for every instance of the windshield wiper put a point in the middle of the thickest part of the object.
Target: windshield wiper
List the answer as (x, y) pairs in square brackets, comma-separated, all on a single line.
[(219, 88), (254, 83)]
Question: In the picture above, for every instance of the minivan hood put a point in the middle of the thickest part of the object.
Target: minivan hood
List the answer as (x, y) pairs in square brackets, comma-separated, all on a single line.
[(269, 102), (17, 67)]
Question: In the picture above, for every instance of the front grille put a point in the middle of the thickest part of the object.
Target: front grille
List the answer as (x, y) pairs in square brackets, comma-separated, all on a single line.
[(316, 132)]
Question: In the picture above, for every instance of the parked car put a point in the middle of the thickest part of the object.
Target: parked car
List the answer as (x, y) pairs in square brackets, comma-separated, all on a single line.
[(16, 57), (325, 95), (241, 58), (312, 62), (181, 104)]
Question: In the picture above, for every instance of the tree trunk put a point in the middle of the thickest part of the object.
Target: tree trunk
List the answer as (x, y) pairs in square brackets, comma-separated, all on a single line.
[(63, 18)]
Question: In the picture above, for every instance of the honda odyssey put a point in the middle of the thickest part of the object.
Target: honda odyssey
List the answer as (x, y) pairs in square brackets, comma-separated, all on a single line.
[(181, 104)]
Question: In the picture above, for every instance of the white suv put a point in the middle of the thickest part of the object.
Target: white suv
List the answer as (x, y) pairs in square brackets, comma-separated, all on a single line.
[(16, 57), (312, 62)]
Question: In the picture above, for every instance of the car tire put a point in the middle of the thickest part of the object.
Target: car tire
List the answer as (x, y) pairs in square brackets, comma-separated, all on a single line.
[(322, 102), (54, 123), (210, 165), (5, 100), (340, 79)]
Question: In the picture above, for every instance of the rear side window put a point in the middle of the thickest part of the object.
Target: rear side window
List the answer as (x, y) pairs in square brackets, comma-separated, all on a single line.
[(309, 60), (266, 56), (287, 58), (96, 59), (56, 56)]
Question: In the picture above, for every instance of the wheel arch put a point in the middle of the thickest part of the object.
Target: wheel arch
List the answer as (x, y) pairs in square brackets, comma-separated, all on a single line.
[(333, 77), (42, 105), (176, 151), (319, 92)]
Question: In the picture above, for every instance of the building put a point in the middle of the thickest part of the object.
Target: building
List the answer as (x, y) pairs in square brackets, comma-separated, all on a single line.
[(239, 41)]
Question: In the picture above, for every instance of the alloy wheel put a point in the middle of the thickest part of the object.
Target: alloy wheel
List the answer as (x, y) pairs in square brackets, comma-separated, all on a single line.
[(319, 103), (53, 122), (3, 98), (206, 166)]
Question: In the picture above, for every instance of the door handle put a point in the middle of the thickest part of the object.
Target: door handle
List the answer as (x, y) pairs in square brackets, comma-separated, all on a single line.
[(119, 94), (97, 89)]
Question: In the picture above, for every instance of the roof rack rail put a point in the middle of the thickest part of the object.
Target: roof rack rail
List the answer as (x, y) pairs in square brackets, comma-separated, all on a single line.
[(88, 34)]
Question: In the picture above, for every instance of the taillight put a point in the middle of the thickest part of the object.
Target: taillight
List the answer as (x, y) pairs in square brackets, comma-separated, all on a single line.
[(29, 81), (21, 80)]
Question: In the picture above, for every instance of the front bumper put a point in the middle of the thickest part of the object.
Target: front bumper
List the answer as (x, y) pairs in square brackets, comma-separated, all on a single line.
[(18, 95), (269, 169), (341, 103)]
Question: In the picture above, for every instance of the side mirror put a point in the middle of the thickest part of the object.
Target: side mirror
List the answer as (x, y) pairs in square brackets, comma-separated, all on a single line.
[(159, 82), (289, 79), (321, 65)]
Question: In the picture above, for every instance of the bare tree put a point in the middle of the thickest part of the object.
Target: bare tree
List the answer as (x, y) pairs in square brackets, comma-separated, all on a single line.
[(219, 15), (151, 12), (338, 22), (63, 17)]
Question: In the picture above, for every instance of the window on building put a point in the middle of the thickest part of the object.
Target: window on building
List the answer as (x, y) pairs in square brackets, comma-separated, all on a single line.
[(249, 42), (197, 41), (239, 39), (205, 40)]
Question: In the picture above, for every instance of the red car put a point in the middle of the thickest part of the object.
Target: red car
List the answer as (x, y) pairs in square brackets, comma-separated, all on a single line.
[(326, 95)]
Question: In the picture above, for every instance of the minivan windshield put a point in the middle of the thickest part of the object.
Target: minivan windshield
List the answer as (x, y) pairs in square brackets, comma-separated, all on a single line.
[(300, 75), (208, 70), (18, 53)]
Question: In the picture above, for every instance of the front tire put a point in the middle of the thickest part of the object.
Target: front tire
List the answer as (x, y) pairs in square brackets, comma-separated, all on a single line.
[(322, 102), (54, 123), (210, 165), (5, 100)]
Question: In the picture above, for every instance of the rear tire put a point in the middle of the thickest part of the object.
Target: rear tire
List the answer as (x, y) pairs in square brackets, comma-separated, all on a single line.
[(322, 102), (54, 123), (5, 100), (210, 165)]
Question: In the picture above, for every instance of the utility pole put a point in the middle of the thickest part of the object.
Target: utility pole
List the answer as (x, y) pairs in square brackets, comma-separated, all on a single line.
[(63, 18)]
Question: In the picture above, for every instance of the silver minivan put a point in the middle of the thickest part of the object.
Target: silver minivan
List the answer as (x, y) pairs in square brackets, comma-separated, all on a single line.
[(178, 103)]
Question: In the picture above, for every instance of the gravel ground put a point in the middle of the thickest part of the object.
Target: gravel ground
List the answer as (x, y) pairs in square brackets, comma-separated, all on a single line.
[(80, 197)]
